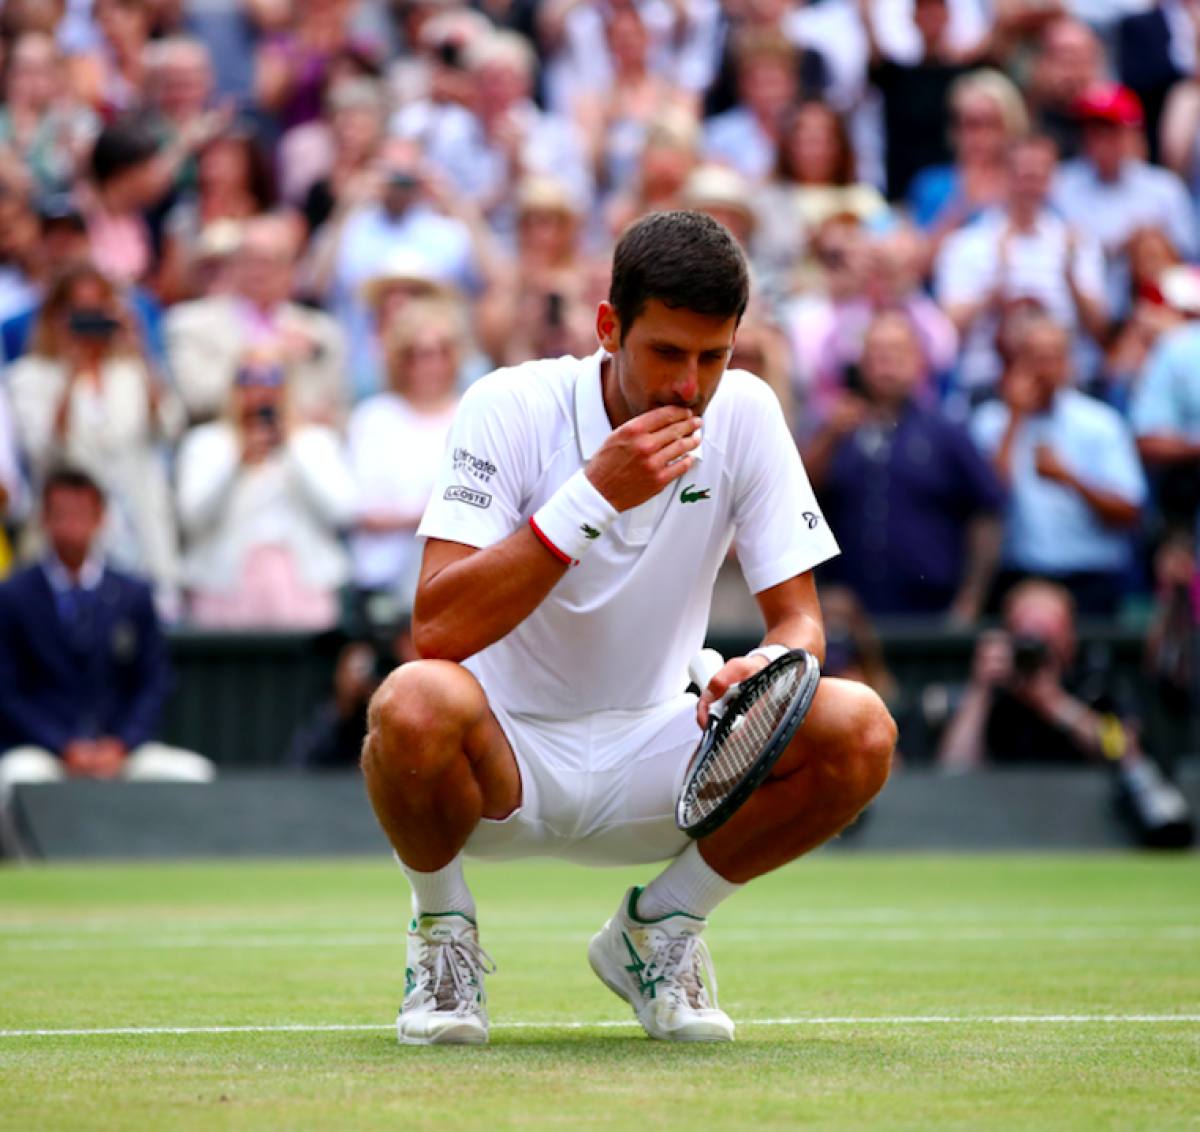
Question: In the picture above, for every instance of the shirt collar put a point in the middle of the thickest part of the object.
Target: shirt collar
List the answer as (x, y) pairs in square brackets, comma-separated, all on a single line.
[(60, 580), (592, 426)]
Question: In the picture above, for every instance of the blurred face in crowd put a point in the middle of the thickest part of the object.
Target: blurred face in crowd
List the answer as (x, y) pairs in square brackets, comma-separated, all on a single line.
[(547, 235), (356, 132), (72, 518), (1045, 353), (1030, 169), (264, 262), (33, 72), (1046, 616), (627, 41), (18, 229), (184, 82), (1070, 59), (931, 20), (767, 85), (979, 128), (891, 360), (426, 368), (399, 167), (814, 145), (124, 23), (224, 167), (841, 250), (499, 85), (1106, 144), (64, 241)]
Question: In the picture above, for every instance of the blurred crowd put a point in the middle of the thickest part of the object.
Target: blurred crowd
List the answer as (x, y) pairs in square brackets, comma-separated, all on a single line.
[(252, 252)]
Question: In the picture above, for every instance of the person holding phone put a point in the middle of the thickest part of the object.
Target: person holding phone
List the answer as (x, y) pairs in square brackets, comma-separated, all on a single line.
[(86, 394), (263, 494)]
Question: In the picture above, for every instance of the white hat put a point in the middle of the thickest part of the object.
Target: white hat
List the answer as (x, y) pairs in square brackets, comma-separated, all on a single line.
[(1180, 286), (405, 266)]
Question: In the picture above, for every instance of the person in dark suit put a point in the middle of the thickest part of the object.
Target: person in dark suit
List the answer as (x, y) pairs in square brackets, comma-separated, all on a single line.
[(84, 671)]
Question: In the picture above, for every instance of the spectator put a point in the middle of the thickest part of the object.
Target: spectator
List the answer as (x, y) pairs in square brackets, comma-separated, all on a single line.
[(1075, 485), (1111, 193), (233, 182), (815, 179), (617, 118), (21, 268), (486, 148), (1023, 250), (1165, 409), (748, 135), (540, 307), (1032, 700), (664, 165), (209, 339), (1154, 50), (1179, 142), (395, 443), (393, 209), (356, 113), (914, 505), (987, 117), (293, 61), (726, 196), (916, 95), (112, 77), (86, 395), (84, 668), (179, 90), (866, 277), (14, 501), (1070, 60), (40, 125), (263, 494)]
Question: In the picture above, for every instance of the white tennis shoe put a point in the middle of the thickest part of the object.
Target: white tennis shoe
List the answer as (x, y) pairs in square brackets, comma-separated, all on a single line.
[(444, 999), (660, 968)]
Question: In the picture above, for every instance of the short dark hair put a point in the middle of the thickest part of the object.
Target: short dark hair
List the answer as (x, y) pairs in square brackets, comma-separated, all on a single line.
[(119, 148), (685, 260), (66, 477)]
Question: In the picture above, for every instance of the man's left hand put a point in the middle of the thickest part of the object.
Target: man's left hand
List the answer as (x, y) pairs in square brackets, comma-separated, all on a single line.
[(108, 756), (733, 672)]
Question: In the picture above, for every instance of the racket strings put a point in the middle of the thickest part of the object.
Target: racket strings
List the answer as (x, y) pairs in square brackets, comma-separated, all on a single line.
[(747, 733)]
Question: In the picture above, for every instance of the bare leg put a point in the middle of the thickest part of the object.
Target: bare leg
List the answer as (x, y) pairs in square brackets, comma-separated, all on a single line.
[(837, 763), (436, 761)]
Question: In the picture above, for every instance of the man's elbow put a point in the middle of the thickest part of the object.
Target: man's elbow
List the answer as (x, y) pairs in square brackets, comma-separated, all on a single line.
[(433, 641)]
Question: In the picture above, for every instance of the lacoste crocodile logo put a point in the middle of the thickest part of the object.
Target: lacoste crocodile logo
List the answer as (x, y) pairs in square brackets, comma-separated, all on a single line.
[(688, 495), (589, 532)]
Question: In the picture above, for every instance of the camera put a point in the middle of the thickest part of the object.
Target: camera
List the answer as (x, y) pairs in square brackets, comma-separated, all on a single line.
[(93, 323), (554, 310), (1030, 655), (450, 54), (402, 182)]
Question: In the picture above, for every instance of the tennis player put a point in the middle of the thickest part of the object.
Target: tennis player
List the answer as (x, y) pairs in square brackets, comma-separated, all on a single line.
[(573, 541)]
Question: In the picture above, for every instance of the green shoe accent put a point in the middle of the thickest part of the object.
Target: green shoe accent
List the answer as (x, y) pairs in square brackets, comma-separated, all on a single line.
[(632, 910)]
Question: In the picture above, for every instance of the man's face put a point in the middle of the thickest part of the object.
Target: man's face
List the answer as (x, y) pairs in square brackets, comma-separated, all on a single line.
[(891, 362), (1046, 619), (72, 520), (670, 356), (1046, 353), (1104, 143), (264, 268), (1030, 170)]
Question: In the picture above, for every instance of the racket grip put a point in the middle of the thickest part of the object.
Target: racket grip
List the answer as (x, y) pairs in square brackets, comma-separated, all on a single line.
[(704, 666)]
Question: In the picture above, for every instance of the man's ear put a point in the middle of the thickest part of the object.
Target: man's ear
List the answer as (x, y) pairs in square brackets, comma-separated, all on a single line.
[(608, 327)]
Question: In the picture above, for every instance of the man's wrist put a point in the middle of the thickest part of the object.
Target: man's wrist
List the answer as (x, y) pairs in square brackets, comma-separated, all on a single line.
[(572, 520)]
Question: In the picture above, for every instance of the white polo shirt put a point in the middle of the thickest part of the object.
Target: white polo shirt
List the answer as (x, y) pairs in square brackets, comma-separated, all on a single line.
[(618, 630)]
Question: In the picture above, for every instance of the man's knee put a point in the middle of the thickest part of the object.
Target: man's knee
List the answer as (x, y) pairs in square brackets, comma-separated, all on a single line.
[(419, 716), (861, 746)]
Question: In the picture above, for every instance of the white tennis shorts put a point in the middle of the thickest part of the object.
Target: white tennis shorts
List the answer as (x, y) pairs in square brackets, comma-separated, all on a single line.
[(597, 789)]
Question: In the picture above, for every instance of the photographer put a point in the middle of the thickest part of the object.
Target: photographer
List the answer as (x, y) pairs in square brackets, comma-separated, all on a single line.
[(1029, 703), (263, 495), (85, 395)]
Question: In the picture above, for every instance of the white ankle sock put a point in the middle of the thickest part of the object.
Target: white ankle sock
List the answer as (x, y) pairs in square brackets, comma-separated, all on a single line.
[(688, 885), (442, 891)]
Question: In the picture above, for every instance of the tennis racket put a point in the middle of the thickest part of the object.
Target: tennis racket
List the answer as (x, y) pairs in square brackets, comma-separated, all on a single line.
[(748, 729)]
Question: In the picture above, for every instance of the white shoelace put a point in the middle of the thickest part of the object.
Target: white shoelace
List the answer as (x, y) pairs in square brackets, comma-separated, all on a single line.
[(456, 971), (680, 961)]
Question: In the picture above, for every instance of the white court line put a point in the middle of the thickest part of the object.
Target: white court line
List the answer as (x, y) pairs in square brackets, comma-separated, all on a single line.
[(900, 1020), (794, 934)]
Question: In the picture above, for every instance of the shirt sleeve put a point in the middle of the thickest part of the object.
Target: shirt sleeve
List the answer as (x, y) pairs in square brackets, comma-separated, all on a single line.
[(1116, 466), (780, 530), (1152, 411), (480, 492)]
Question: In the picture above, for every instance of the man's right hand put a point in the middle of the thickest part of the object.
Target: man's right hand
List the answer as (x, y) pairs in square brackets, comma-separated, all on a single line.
[(635, 463), (993, 663)]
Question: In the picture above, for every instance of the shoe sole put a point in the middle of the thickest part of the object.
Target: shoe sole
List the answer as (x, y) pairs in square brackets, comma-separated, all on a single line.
[(598, 959), (464, 1035)]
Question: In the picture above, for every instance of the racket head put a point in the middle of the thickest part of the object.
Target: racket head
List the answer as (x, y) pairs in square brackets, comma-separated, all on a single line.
[(740, 748)]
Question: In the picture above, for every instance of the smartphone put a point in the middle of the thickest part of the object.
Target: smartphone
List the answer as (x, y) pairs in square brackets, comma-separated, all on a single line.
[(554, 310), (450, 53), (90, 322)]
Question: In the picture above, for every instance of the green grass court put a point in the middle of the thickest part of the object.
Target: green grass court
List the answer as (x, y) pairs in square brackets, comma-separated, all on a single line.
[(904, 992)]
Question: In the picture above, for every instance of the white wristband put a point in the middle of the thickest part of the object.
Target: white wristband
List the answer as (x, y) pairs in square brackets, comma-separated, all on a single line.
[(573, 519), (770, 652)]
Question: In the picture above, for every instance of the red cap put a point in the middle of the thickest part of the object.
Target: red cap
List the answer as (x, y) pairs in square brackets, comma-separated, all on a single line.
[(1110, 102)]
